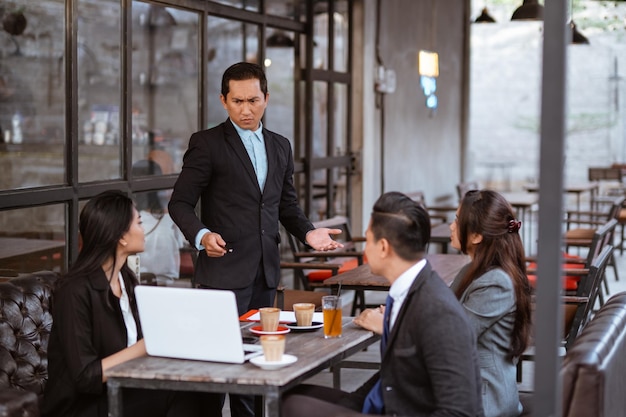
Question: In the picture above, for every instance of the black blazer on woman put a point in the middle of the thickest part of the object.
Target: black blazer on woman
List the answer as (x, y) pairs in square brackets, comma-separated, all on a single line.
[(217, 171), (87, 326)]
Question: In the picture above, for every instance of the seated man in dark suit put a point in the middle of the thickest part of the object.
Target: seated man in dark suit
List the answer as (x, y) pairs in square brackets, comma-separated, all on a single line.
[(429, 363)]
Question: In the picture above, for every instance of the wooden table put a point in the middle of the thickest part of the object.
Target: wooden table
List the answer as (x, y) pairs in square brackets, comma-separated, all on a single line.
[(314, 354), (576, 189), (361, 277), (29, 255)]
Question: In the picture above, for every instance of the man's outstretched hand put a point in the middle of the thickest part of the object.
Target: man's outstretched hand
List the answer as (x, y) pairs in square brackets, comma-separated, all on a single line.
[(319, 239)]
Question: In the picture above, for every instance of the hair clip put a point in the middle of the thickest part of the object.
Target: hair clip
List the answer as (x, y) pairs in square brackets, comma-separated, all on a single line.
[(514, 226)]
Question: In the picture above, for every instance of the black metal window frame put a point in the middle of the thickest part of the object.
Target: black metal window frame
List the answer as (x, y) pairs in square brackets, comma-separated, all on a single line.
[(72, 192)]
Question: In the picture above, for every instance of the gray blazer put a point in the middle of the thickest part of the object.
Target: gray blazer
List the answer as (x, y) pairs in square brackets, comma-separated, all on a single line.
[(489, 302)]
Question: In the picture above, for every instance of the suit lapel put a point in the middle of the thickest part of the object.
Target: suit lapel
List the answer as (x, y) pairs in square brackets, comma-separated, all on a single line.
[(272, 155), (233, 140), (417, 283)]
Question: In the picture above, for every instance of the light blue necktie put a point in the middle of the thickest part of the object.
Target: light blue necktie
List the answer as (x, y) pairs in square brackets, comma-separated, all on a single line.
[(374, 402)]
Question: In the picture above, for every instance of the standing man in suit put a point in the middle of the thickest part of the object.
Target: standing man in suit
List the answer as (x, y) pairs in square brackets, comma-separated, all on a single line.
[(242, 174), (429, 364)]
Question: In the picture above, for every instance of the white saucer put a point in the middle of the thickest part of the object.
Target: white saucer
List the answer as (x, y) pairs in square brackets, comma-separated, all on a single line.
[(259, 330), (269, 366), (314, 326)]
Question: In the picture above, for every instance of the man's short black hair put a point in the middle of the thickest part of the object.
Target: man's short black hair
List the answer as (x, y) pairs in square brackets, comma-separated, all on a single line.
[(244, 71), (403, 222)]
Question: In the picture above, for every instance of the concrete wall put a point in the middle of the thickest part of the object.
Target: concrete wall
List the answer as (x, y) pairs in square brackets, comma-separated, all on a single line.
[(506, 59), (421, 149)]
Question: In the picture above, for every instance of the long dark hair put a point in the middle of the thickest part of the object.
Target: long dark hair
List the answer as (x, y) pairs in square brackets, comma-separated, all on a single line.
[(103, 221), (489, 214)]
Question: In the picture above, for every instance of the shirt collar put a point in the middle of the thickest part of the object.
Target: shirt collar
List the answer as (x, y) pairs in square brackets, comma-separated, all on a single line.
[(400, 287), (243, 133)]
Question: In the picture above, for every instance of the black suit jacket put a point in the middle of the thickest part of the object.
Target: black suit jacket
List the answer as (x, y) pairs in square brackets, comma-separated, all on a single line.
[(217, 171), (430, 366), (87, 326)]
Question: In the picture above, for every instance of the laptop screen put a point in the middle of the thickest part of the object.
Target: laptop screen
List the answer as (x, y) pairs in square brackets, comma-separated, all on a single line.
[(191, 323)]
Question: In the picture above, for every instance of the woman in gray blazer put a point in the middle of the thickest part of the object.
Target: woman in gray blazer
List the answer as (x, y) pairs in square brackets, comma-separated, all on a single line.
[(495, 293)]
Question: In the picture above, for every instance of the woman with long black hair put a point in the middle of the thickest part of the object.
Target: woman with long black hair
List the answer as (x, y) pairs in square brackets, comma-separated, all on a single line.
[(495, 293), (95, 321)]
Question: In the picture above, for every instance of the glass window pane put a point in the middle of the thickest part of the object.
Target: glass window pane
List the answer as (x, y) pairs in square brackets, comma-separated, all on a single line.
[(341, 50), (252, 5), (165, 81), (279, 115), (284, 8), (32, 239), (32, 94), (341, 119), (229, 42), (99, 90), (320, 35), (320, 118)]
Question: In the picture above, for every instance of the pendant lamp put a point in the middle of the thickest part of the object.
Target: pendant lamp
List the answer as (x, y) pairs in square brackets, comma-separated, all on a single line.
[(484, 17), (279, 40), (529, 10), (577, 37)]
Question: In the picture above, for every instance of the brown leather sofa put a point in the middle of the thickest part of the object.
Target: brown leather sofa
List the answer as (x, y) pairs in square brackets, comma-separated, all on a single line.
[(25, 324), (594, 368)]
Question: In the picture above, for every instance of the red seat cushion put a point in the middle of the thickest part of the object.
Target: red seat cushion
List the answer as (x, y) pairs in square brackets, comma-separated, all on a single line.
[(570, 282), (186, 265), (322, 274)]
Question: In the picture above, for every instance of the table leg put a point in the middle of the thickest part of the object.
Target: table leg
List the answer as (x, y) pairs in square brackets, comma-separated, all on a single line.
[(115, 399), (271, 403)]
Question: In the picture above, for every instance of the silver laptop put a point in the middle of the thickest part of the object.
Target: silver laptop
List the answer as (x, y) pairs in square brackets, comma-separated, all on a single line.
[(192, 324)]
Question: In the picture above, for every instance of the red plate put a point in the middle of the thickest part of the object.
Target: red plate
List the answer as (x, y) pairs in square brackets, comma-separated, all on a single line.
[(259, 330)]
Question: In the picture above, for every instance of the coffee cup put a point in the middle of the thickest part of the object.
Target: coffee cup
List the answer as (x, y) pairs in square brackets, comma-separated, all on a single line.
[(273, 347), (269, 318), (304, 313)]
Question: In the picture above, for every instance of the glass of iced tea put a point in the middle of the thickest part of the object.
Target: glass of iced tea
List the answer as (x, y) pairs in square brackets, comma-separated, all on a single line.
[(331, 305)]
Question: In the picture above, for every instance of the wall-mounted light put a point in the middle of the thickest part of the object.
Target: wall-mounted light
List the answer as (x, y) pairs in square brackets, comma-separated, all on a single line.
[(428, 63), (428, 68)]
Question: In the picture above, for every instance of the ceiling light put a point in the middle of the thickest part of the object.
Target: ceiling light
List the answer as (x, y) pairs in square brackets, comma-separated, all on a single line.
[(530, 10), (577, 37), (279, 40), (484, 17)]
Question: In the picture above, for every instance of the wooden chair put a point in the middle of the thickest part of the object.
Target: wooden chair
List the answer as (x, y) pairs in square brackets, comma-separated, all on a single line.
[(611, 177), (577, 309), (587, 223), (615, 175), (188, 258), (286, 298), (576, 267), (311, 267), (438, 214), (589, 291), (463, 187), (621, 219)]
